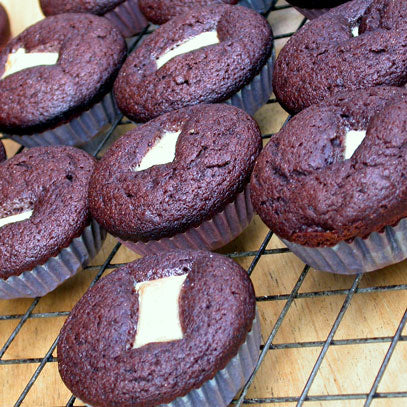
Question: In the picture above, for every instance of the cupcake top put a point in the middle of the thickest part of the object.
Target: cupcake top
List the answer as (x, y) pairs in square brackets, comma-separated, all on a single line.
[(204, 55), (174, 172), (316, 3), (100, 7), (354, 46), (4, 27), (56, 69), (43, 205), (3, 155), (108, 355), (161, 11), (337, 170)]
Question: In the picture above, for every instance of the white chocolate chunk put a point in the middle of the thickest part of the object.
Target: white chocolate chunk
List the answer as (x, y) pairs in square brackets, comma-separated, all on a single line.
[(19, 60), (16, 218), (199, 41), (162, 152), (355, 31), (353, 139), (158, 317)]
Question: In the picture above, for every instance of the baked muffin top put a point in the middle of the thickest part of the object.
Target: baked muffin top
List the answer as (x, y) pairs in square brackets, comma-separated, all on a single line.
[(48, 188), (161, 11), (76, 58), (204, 156), (311, 186), (106, 355), (154, 80), (354, 46), (100, 7)]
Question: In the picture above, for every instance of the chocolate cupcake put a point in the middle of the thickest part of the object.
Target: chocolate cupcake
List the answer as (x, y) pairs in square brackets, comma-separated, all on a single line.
[(179, 181), (332, 183), (161, 11), (211, 54), (124, 14), (5, 32), (354, 46), (45, 230), (55, 77), (315, 8), (3, 155), (175, 329)]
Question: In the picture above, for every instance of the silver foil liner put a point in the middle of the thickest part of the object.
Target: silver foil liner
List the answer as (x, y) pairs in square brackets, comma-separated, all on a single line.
[(257, 92), (128, 18), (45, 278), (376, 251), (261, 6), (219, 391), (78, 131), (312, 13), (211, 234)]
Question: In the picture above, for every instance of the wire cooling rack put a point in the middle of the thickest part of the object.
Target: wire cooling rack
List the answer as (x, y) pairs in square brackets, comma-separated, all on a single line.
[(281, 379)]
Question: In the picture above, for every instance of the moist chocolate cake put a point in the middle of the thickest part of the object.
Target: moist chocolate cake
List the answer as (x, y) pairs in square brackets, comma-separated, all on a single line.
[(311, 186), (4, 27), (99, 7), (86, 53), (124, 14), (161, 11), (100, 354), (354, 46), (210, 153), (48, 187), (154, 81), (2, 152)]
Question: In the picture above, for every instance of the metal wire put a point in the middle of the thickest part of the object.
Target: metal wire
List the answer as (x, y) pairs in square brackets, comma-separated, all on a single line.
[(288, 298)]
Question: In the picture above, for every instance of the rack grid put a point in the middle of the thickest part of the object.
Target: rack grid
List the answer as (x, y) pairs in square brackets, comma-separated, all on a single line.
[(280, 284)]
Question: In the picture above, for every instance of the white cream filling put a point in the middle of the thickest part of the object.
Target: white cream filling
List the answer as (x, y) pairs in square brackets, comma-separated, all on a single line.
[(158, 316), (199, 41), (16, 218), (353, 139), (162, 152), (19, 60), (355, 31)]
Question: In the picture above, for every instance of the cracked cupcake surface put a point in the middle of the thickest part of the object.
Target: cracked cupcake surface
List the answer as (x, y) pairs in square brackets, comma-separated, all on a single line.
[(239, 44), (210, 162), (44, 205), (354, 46), (99, 7), (161, 11), (97, 359), (85, 53), (310, 189)]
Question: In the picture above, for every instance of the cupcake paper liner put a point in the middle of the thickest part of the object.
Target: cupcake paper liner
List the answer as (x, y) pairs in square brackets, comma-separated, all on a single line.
[(257, 92), (376, 251), (261, 6), (78, 131), (211, 234), (219, 391), (128, 18), (312, 13), (45, 278)]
